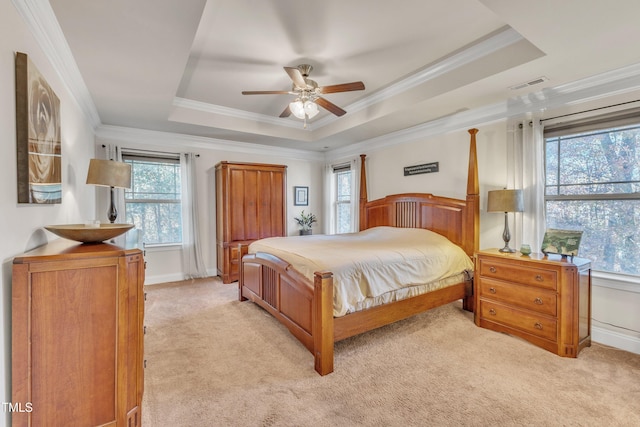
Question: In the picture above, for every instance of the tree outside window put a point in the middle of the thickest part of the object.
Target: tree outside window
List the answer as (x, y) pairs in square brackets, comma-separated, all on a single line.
[(593, 184), (153, 203)]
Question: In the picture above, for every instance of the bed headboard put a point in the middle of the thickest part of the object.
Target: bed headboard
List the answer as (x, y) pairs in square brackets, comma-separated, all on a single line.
[(456, 219)]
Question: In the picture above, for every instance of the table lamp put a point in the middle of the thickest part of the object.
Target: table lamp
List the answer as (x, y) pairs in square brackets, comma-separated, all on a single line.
[(112, 174), (505, 201)]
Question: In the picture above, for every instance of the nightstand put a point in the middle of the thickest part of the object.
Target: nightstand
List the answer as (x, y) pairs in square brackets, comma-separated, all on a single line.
[(545, 300)]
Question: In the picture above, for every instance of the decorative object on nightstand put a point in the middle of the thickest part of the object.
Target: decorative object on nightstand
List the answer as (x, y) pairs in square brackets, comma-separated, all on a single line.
[(525, 249), (543, 299), (563, 242), (112, 174), (505, 201)]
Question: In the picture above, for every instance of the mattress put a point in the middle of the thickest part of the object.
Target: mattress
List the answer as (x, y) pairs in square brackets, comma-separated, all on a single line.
[(375, 266)]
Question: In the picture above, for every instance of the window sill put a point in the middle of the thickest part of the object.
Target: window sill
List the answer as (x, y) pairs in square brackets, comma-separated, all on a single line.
[(163, 247), (622, 282)]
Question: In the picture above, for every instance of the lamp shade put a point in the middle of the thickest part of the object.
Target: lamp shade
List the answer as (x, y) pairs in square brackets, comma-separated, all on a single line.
[(109, 173), (505, 201), (311, 109), (297, 108)]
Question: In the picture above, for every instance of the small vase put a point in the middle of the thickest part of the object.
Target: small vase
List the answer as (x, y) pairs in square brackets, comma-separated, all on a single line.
[(305, 232), (525, 250)]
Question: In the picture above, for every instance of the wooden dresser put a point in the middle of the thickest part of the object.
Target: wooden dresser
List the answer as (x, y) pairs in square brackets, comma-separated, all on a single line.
[(250, 205), (77, 335), (543, 299)]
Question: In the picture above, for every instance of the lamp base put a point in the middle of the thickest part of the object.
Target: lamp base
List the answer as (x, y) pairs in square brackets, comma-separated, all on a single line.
[(507, 250)]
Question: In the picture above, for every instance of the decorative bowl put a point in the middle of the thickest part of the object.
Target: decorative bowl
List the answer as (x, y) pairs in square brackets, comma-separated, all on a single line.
[(89, 234)]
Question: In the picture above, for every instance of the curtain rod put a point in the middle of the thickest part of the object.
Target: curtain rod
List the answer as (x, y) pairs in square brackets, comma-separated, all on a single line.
[(152, 152), (588, 111)]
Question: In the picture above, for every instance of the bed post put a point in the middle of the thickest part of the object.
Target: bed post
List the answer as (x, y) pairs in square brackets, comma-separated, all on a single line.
[(473, 195), (323, 322), (472, 228), (363, 191)]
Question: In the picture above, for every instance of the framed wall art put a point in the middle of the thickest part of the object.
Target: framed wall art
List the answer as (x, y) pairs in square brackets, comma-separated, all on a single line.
[(563, 242), (301, 196), (38, 136)]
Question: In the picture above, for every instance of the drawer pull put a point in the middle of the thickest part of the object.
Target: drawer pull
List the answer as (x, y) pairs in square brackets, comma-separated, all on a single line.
[(492, 312), (539, 278), (538, 301), (538, 325), (492, 269), (492, 290)]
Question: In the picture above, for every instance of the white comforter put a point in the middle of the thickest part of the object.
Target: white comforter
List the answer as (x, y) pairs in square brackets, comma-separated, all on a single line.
[(373, 266)]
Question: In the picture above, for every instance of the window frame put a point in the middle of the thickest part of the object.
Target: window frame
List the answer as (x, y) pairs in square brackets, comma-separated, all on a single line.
[(336, 202), (155, 157), (587, 128)]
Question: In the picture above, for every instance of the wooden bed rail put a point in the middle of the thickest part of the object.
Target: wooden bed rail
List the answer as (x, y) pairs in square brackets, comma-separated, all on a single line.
[(305, 308)]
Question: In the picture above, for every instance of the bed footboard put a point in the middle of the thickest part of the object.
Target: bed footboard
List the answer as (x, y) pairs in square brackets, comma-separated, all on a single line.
[(305, 308)]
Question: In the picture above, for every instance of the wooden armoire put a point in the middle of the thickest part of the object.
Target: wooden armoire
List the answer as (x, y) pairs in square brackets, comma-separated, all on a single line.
[(77, 335), (250, 205)]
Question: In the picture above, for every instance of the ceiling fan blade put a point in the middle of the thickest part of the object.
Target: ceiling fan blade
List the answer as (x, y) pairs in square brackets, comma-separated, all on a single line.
[(265, 92), (296, 76), (330, 106), (345, 87), (286, 112)]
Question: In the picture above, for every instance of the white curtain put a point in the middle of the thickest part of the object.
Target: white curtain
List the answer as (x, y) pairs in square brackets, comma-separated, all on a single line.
[(192, 259), (328, 195), (355, 194), (525, 170)]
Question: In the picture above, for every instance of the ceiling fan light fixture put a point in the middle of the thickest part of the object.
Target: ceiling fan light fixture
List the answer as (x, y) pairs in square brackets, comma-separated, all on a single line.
[(297, 109), (311, 108)]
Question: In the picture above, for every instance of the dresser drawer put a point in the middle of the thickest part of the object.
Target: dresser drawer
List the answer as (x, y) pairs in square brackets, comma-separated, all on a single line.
[(529, 297), (519, 274), (540, 326)]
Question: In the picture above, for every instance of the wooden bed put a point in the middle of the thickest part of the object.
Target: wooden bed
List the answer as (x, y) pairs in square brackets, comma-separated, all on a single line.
[(306, 308)]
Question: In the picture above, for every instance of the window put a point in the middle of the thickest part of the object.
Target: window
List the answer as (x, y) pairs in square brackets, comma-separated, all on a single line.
[(592, 184), (153, 203), (342, 202)]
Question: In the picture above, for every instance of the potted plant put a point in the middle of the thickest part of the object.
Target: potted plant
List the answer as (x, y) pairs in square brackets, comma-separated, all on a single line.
[(305, 221)]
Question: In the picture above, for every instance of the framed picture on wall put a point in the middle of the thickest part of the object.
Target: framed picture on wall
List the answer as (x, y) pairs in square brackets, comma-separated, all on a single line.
[(38, 136), (301, 196)]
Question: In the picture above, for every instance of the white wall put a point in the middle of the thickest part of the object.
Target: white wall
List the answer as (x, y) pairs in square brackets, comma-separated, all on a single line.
[(385, 170), (21, 225)]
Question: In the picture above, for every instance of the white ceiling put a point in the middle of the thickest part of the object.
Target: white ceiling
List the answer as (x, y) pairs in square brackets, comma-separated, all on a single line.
[(180, 66)]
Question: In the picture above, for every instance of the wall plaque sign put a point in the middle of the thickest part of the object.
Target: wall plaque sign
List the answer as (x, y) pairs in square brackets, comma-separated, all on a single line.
[(424, 168)]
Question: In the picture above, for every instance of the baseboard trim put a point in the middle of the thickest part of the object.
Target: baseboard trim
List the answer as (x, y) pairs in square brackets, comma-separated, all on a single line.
[(173, 277), (163, 278), (615, 339)]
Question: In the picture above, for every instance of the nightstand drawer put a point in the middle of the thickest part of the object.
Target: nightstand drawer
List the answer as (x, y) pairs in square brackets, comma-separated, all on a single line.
[(529, 297), (519, 274), (540, 326)]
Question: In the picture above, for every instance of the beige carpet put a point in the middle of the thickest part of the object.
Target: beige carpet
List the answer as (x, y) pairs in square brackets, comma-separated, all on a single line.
[(213, 361)]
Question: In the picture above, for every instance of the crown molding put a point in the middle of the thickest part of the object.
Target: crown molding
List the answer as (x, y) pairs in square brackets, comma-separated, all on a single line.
[(137, 137), (500, 40), (233, 112), (605, 85), (43, 24)]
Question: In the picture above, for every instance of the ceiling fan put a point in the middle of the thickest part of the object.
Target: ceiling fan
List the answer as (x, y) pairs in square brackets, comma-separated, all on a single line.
[(308, 93)]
